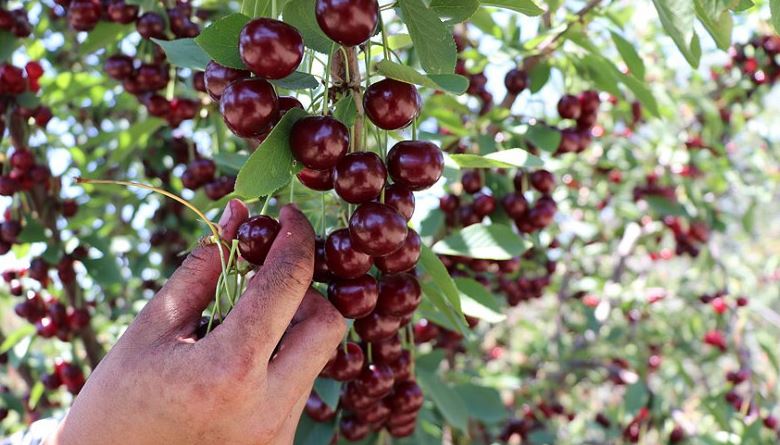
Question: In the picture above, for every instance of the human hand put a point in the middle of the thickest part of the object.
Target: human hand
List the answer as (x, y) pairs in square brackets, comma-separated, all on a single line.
[(159, 385)]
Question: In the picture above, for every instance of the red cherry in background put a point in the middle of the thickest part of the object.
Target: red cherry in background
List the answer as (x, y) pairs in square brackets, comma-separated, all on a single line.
[(542, 180), (218, 77), (249, 107), (318, 142), (151, 25), (255, 237), (569, 107), (376, 229), (349, 23), (471, 181), (352, 429), (416, 165), (354, 298), (270, 48), (359, 177), (119, 66), (516, 81), (392, 104), (342, 258)]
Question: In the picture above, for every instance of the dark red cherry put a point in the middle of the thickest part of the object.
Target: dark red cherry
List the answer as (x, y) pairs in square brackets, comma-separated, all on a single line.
[(449, 203), (270, 48), (477, 84), (157, 105), (515, 205), (403, 259), (121, 12), (354, 298), (342, 258), (570, 141), (203, 170), (589, 102), (399, 294), (569, 107), (375, 380), (402, 430), (543, 212), (425, 331), (255, 237), (317, 409), (249, 107), (287, 103), (401, 420), (401, 199), (151, 25), (359, 177), (387, 351), (416, 165), (402, 368), (542, 180), (516, 81), (83, 15), (353, 399), (218, 77), (392, 104), (377, 327), (376, 229), (377, 413), (472, 181), (22, 160), (199, 81), (352, 429), (220, 187), (9, 230), (321, 271), (407, 397), (12, 78), (318, 142), (349, 23), (320, 180), (484, 204), (119, 66), (347, 364)]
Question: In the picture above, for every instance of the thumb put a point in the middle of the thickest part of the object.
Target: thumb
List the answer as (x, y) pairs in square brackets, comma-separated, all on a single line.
[(191, 288)]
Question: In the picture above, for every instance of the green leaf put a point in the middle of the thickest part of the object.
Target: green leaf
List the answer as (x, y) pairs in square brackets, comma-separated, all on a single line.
[(433, 41), (515, 157), (539, 76), (32, 232), (297, 81), (35, 394), (104, 270), (642, 93), (447, 401), (7, 45), (310, 432), (455, 11), (636, 397), (28, 99), (433, 267), (452, 83), (743, 5), (19, 334), (220, 40), (329, 391), (665, 207), (629, 55), (484, 403), (493, 242), (230, 161), (544, 137), (477, 301), (261, 8), (185, 53), (677, 18), (716, 18), (527, 7), (774, 8), (346, 110), (434, 307), (300, 14), (105, 35), (270, 167)]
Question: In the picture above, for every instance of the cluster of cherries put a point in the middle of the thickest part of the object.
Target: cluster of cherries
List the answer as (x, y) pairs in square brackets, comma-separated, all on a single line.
[(756, 59), (66, 374), (732, 397), (84, 15), (15, 21)]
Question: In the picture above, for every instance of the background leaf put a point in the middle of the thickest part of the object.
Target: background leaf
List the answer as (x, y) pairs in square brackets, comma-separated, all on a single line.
[(627, 51), (478, 301), (452, 83), (515, 157), (527, 7), (493, 242), (432, 40), (447, 401)]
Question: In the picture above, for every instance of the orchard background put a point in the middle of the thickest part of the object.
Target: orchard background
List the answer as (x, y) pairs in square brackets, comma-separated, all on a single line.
[(593, 210)]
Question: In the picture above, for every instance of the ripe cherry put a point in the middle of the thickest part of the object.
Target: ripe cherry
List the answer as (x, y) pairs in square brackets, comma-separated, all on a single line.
[(471, 181), (354, 400), (404, 258), (359, 177), (569, 107), (392, 104), (407, 397), (270, 48), (376, 229), (342, 258), (151, 25), (416, 165), (83, 15), (218, 77), (402, 430), (121, 12), (402, 368), (570, 141), (352, 429), (449, 203), (348, 23), (255, 237), (484, 204), (320, 180), (287, 103), (22, 160), (516, 81), (542, 180), (387, 351), (377, 327), (376, 414), (354, 298), (220, 187), (317, 409), (401, 199), (347, 364), (321, 271), (318, 142), (477, 84), (399, 294), (375, 380), (249, 107)]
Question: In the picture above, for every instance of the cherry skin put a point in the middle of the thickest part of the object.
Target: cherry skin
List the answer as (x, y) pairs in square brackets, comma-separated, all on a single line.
[(416, 165), (569, 107), (590, 102), (376, 229), (484, 204), (287, 103), (387, 351), (352, 429), (570, 141), (321, 271), (354, 400), (471, 181), (317, 409), (359, 177), (401, 199), (407, 397), (354, 298), (121, 12), (343, 260), (542, 180), (403, 430), (401, 420), (349, 23), (425, 331), (270, 48), (249, 107), (377, 413), (377, 327), (347, 364), (119, 66), (404, 258), (83, 15), (218, 77), (22, 160), (516, 81), (449, 203), (318, 142), (320, 180), (151, 25), (255, 237), (392, 104), (399, 294), (402, 368), (375, 380), (515, 205)]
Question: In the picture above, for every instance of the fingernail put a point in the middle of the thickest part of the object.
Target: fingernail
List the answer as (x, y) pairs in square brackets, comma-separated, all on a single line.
[(227, 214)]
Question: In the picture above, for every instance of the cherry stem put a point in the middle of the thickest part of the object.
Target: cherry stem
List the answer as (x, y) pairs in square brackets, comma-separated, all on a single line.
[(327, 80), (264, 210), (385, 46)]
